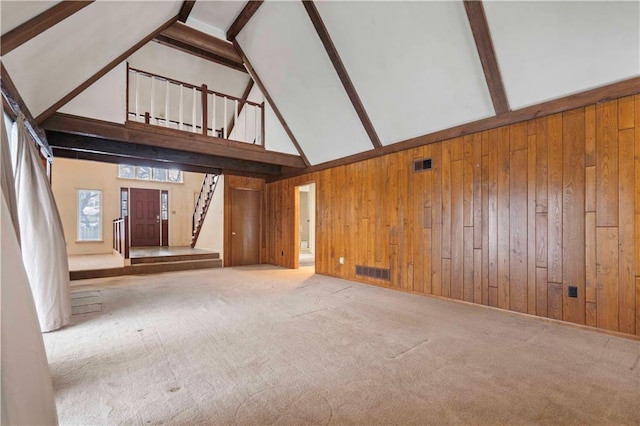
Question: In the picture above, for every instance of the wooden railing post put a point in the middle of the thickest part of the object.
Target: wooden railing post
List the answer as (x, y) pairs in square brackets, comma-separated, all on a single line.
[(205, 109), (146, 118), (262, 127), (126, 237)]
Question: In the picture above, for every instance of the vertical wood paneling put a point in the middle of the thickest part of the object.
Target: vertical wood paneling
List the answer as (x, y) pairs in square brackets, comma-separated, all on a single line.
[(457, 230), (477, 191), (531, 219), (436, 221), (467, 180), (542, 292), (508, 217), (554, 301), (573, 201), (607, 164), (485, 220), (503, 218), (518, 273), (493, 214), (590, 135), (554, 214), (607, 270), (626, 249), (468, 286)]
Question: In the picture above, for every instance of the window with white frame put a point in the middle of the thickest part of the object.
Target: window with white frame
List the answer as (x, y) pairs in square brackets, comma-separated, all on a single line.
[(155, 174), (89, 215)]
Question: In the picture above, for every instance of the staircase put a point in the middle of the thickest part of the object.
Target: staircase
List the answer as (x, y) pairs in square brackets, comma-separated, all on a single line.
[(209, 184)]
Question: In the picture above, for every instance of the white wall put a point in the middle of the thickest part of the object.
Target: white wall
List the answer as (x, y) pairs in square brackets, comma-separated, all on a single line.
[(212, 233)]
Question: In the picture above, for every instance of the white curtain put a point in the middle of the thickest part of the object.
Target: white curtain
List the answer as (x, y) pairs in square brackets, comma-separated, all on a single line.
[(26, 390), (44, 251)]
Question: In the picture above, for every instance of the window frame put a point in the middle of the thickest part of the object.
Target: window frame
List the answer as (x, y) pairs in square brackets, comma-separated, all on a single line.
[(79, 238)]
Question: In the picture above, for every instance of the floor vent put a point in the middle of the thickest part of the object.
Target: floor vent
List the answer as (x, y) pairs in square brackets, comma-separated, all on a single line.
[(422, 165), (378, 273)]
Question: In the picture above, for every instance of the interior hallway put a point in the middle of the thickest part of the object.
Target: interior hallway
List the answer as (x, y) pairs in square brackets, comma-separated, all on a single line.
[(264, 345)]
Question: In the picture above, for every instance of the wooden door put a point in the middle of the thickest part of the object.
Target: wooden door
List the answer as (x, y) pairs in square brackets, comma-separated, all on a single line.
[(245, 227), (145, 217)]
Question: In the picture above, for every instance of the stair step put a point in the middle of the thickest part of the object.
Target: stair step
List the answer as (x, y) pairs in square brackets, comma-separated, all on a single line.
[(147, 268), (174, 258)]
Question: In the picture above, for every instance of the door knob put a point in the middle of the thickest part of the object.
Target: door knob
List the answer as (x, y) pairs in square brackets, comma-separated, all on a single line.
[(233, 233)]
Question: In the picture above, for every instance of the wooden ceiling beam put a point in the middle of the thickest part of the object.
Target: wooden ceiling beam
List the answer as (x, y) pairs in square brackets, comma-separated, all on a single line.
[(35, 26), (269, 99), (145, 134), (195, 51), (486, 51), (601, 94), (323, 33), (241, 20), (185, 11), (89, 144), (111, 65), (132, 161), (192, 37)]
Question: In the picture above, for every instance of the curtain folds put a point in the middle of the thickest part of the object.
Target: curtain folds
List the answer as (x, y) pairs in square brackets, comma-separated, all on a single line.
[(26, 389), (44, 251)]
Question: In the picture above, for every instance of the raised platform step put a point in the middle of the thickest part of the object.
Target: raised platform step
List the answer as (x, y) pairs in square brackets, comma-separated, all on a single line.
[(175, 258), (149, 268)]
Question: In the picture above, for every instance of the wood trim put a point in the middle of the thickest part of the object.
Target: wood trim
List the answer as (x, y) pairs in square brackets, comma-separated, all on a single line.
[(14, 105), (168, 138), (111, 65), (35, 26), (192, 37), (195, 51), (245, 15), (185, 11), (269, 99), (484, 44), (593, 96), (243, 100), (132, 151), (323, 33)]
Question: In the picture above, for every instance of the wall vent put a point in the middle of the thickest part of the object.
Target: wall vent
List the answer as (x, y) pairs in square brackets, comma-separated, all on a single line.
[(377, 273), (422, 165)]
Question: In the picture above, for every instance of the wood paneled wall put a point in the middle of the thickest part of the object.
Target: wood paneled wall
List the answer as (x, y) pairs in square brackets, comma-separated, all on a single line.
[(509, 217)]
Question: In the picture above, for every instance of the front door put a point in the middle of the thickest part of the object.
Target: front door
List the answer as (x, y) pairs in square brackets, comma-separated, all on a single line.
[(145, 217), (245, 227)]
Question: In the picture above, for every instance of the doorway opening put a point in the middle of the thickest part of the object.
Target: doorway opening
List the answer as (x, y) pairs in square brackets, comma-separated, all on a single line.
[(306, 221)]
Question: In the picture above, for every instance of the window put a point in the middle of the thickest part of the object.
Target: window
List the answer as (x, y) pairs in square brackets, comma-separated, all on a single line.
[(126, 171), (89, 215)]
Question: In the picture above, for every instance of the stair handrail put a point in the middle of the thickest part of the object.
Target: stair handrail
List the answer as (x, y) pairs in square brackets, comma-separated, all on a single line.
[(207, 189)]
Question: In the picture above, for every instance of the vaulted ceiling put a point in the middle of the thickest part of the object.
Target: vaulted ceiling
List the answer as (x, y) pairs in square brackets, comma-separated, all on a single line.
[(341, 78)]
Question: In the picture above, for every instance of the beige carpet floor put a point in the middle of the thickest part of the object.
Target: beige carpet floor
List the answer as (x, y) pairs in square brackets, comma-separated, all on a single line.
[(262, 345)]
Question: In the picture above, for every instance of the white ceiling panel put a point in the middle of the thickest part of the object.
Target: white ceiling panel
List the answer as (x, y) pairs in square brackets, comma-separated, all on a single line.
[(51, 65), (276, 138), (103, 100), (15, 13), (215, 17), (547, 50), (414, 64), (287, 54)]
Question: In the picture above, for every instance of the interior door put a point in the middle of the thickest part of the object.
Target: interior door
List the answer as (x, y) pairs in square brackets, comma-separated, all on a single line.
[(145, 217), (245, 227)]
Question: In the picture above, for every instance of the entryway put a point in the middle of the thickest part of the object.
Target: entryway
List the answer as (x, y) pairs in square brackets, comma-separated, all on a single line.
[(149, 220), (306, 216)]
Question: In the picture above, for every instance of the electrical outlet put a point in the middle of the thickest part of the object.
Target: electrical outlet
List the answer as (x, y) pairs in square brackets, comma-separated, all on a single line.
[(341, 260)]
